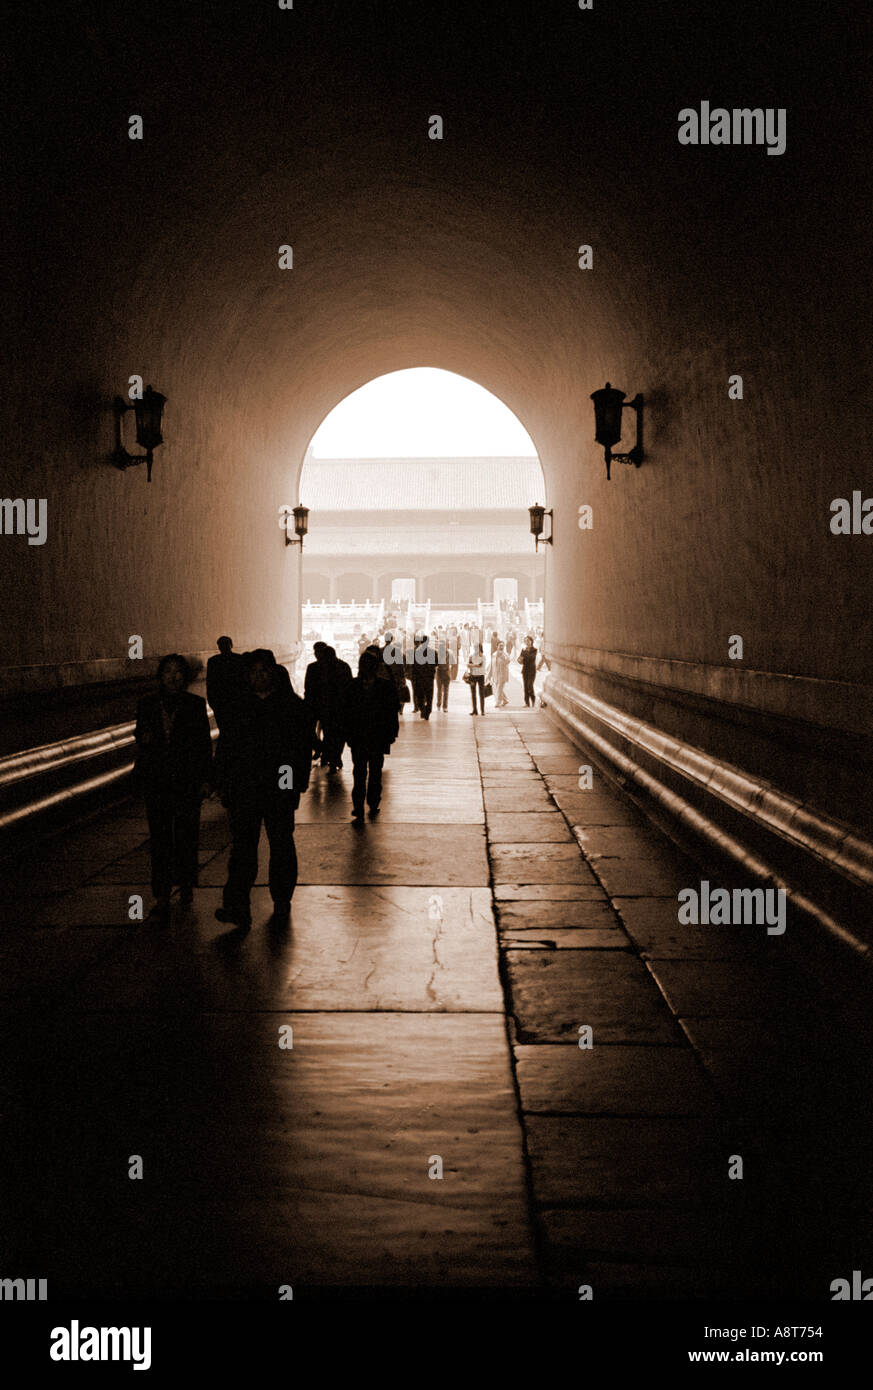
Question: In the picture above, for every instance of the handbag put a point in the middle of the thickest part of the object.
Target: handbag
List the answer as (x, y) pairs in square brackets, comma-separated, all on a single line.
[(487, 690), (467, 678)]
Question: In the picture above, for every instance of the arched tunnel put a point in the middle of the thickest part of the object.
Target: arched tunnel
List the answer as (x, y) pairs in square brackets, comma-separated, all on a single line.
[(285, 231)]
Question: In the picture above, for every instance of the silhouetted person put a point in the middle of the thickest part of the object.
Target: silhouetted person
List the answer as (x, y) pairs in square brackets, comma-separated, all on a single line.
[(224, 679), (174, 768), (372, 726), (225, 682), (527, 660), (269, 749), (423, 673), (393, 653), (324, 690)]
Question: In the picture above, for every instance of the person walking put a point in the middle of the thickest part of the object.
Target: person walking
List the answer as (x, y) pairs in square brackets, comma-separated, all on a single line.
[(324, 689), (174, 769), (510, 642), (475, 675), (423, 673), (224, 684), (527, 660), (499, 676), (371, 727), (443, 674), (269, 756), (393, 668), (224, 678)]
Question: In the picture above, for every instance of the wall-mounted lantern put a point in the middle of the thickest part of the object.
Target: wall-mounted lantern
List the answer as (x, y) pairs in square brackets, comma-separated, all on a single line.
[(148, 410), (301, 526), (537, 518), (608, 405)]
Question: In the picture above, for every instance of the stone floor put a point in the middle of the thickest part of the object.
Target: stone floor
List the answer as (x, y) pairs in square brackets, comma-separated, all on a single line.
[(435, 975)]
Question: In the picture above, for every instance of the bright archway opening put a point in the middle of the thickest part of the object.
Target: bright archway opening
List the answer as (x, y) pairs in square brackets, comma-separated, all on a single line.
[(418, 486)]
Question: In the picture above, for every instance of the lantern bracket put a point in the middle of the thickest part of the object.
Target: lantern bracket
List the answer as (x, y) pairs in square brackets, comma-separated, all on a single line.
[(635, 455), (301, 525)]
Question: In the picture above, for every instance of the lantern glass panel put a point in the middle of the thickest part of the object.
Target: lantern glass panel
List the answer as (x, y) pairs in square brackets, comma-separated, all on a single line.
[(607, 414), (149, 412)]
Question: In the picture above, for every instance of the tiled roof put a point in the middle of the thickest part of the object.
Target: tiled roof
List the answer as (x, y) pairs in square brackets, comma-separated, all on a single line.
[(423, 484)]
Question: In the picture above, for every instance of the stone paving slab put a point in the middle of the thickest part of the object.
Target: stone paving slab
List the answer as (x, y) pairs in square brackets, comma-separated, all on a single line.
[(510, 797), (546, 863), (552, 914), (613, 1080), (795, 1089), (551, 763), (553, 992), (790, 1032), (550, 747), (625, 1162), (499, 778), (728, 989), (544, 826), (654, 925), (596, 808), (565, 781), (547, 892), (619, 842), (558, 938), (645, 878)]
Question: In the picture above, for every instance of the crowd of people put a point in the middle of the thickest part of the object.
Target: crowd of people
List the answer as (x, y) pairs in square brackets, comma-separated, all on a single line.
[(428, 660), (269, 737)]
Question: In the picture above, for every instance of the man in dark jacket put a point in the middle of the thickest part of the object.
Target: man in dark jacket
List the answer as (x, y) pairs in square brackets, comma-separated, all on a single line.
[(225, 684), (269, 749), (443, 671), (324, 689), (225, 679), (371, 728), (393, 667), (174, 769), (423, 673)]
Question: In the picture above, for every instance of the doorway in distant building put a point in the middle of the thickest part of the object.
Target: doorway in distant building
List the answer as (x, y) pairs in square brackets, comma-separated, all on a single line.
[(418, 486)]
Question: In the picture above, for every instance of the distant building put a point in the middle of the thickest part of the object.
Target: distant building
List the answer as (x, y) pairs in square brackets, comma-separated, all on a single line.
[(454, 527)]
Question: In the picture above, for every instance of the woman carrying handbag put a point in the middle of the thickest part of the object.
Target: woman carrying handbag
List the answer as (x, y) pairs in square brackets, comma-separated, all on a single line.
[(475, 676)]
